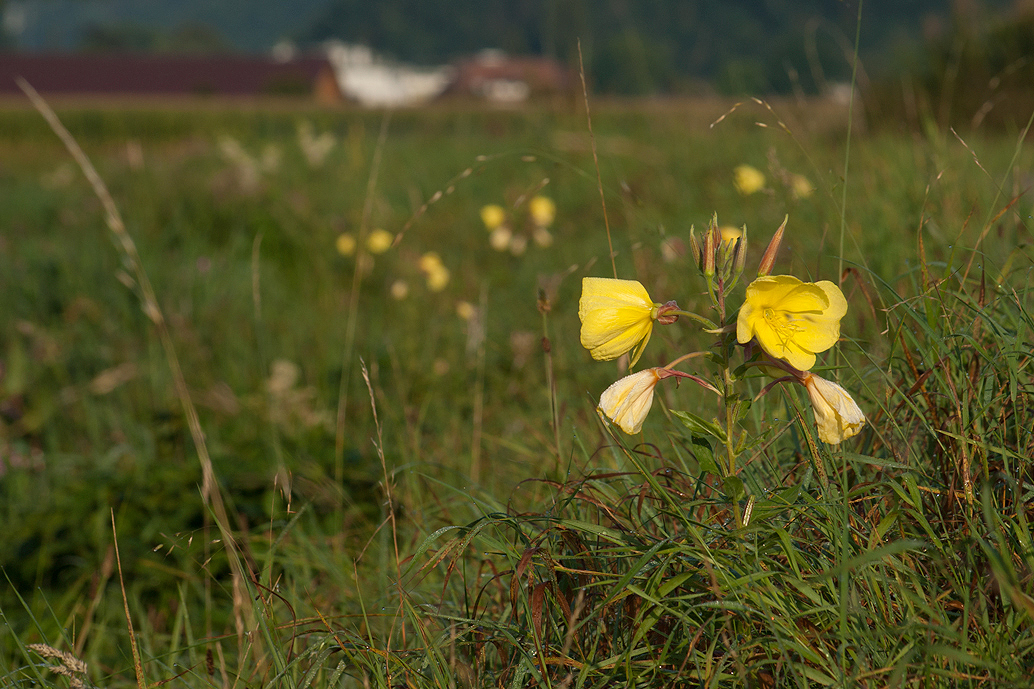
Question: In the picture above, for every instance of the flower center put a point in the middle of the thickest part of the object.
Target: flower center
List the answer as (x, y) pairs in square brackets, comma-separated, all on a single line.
[(782, 323)]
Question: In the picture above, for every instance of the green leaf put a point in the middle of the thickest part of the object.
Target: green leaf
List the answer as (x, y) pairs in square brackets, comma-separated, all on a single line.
[(734, 487), (697, 425), (740, 410), (704, 454)]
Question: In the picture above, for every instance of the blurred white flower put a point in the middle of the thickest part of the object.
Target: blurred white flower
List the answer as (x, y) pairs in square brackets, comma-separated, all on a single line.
[(500, 238)]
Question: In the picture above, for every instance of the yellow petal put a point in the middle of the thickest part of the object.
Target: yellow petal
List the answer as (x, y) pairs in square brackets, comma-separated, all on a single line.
[(616, 316), (837, 415), (791, 319), (628, 401)]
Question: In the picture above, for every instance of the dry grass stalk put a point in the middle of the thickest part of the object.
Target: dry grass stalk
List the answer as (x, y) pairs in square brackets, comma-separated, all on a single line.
[(209, 486)]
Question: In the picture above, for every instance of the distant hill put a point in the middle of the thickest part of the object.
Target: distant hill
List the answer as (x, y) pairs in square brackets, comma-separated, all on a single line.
[(630, 46), (242, 25)]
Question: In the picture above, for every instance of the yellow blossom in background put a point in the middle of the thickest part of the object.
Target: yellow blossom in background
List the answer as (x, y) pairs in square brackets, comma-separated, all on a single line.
[(493, 216), (792, 320), (748, 179), (730, 234), (617, 317), (399, 290), (437, 278), (500, 238), (628, 401), (379, 241), (465, 310), (837, 415), (802, 188), (543, 211), (345, 244), (429, 261)]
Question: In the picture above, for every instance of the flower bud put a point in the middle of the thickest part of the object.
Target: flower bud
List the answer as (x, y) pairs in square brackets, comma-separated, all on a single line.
[(768, 260), (712, 239), (694, 246), (664, 315), (740, 256)]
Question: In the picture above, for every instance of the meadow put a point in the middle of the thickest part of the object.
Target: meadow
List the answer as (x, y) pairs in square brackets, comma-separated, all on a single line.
[(309, 427)]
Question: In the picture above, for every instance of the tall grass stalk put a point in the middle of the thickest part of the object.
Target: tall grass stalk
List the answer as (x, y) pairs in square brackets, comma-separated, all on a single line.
[(210, 490)]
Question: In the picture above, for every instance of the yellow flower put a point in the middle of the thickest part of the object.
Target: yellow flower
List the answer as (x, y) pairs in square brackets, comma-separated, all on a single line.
[(429, 262), (748, 179), (437, 278), (379, 241), (730, 234), (345, 244), (836, 413), (465, 310), (543, 211), (493, 216), (801, 186), (617, 317), (628, 401), (792, 320)]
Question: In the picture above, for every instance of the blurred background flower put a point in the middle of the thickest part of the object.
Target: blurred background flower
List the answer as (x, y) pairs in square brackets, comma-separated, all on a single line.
[(379, 241), (748, 179), (542, 210), (493, 216), (345, 244), (399, 290), (500, 238), (801, 186), (730, 234)]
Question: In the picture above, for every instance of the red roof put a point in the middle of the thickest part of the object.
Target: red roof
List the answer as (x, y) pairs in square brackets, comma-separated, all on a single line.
[(136, 74), (541, 74)]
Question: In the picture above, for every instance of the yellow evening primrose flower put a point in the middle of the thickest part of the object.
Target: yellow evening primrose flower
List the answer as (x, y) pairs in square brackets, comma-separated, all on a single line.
[(730, 234), (465, 310), (345, 244), (792, 320), (493, 216), (543, 210), (802, 187), (379, 241), (429, 261), (437, 278), (617, 317), (837, 415), (628, 401), (748, 179)]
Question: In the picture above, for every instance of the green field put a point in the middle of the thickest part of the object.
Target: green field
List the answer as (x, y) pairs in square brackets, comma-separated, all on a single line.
[(416, 490)]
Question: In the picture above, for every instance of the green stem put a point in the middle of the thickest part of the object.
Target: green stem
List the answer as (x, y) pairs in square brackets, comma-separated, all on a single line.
[(730, 438), (706, 322)]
